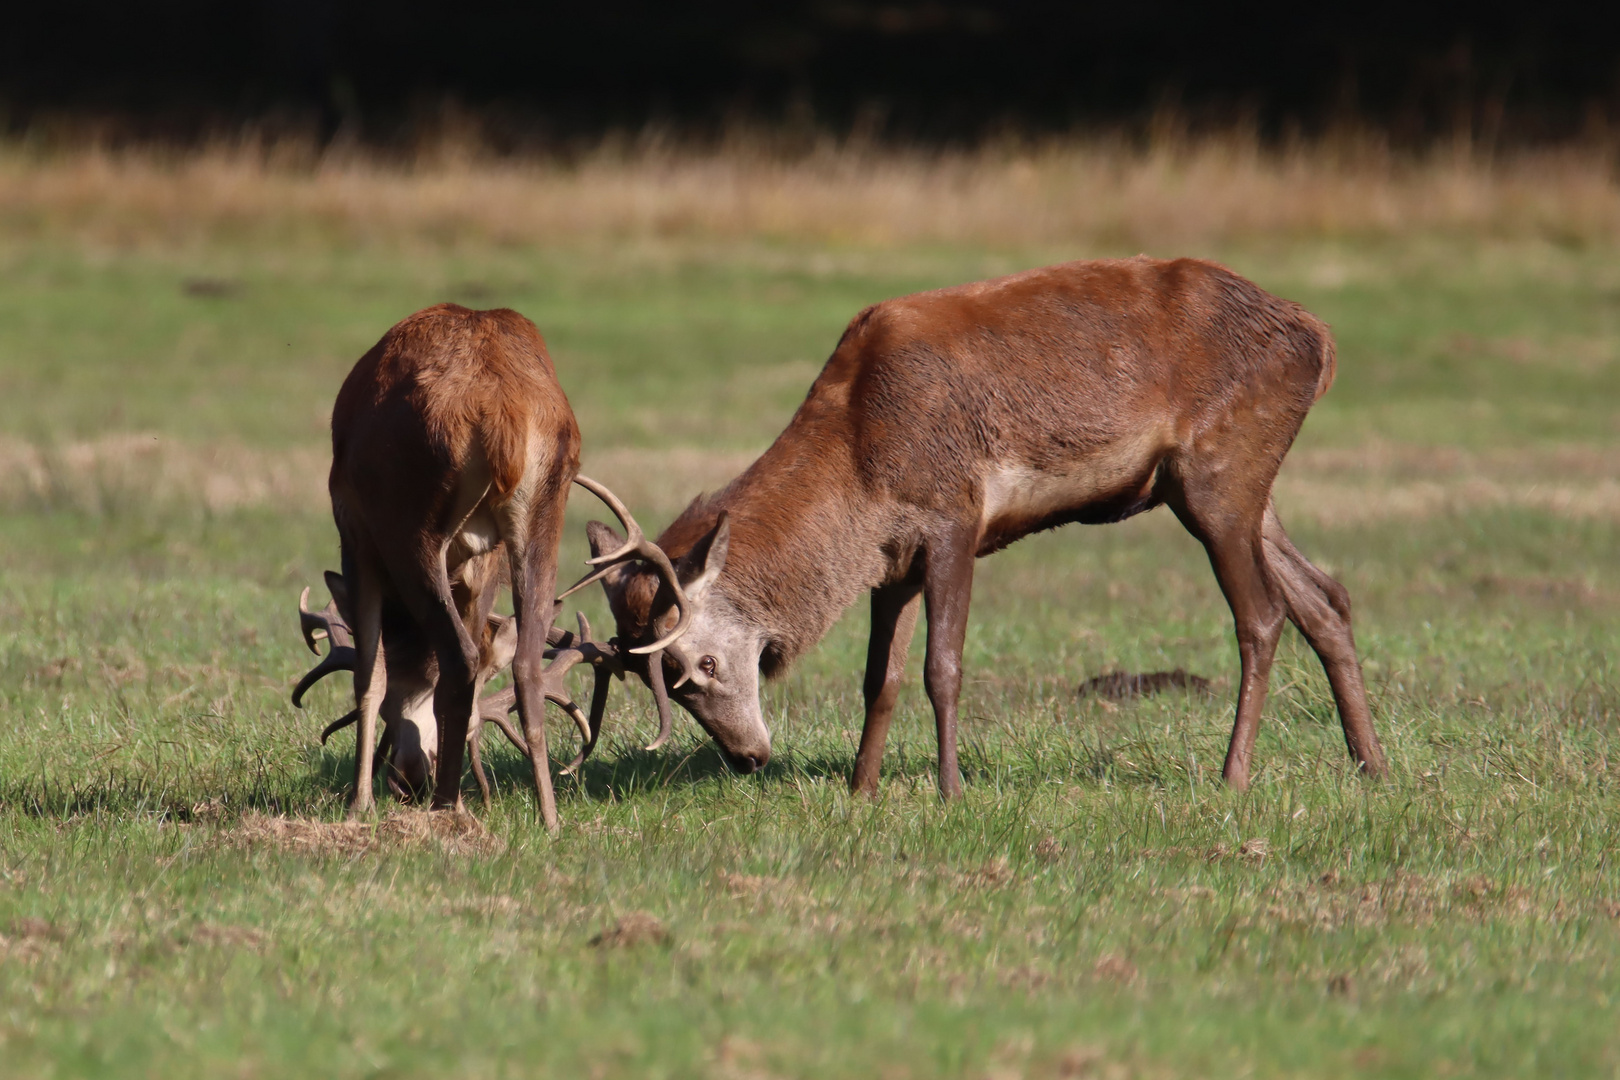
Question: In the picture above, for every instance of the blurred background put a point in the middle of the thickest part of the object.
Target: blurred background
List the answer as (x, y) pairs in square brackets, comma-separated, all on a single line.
[(556, 77), (209, 210)]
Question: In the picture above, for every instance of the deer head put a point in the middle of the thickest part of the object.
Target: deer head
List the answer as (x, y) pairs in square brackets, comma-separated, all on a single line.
[(687, 631)]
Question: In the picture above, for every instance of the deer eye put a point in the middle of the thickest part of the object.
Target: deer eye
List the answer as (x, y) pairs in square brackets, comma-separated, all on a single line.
[(707, 666)]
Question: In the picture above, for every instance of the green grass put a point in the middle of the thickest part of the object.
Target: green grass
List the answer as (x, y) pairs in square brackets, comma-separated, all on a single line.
[(1096, 905)]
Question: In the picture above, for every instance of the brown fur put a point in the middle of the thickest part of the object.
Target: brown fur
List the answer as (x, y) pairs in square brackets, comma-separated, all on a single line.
[(452, 443), (1118, 385)]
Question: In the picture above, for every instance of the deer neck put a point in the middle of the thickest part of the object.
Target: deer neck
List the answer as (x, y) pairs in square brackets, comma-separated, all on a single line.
[(806, 542)]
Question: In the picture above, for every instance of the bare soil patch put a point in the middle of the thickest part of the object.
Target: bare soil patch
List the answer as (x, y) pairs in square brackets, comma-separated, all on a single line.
[(1119, 685), (636, 928)]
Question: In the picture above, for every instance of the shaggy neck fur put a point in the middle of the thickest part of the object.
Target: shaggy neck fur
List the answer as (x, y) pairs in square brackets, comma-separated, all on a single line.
[(806, 537)]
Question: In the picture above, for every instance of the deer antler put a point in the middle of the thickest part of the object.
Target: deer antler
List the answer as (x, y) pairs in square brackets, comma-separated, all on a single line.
[(636, 546), (655, 679), (326, 623), (605, 658), (566, 650)]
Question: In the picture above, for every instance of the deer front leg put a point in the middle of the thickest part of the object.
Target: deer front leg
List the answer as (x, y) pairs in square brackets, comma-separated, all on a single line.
[(453, 702), (1257, 615), (948, 589), (894, 618)]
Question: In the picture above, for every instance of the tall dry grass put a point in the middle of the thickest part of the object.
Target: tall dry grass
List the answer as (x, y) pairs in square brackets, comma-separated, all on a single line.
[(1161, 191), (1336, 487)]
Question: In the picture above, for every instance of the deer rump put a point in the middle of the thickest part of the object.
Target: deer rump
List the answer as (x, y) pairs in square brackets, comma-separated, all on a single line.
[(948, 424)]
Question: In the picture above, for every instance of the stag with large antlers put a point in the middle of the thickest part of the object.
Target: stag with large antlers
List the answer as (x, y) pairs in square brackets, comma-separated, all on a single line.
[(949, 424), (452, 443)]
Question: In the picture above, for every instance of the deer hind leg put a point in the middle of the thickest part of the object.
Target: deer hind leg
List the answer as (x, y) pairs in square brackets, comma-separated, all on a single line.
[(370, 679), (1229, 526), (894, 618), (532, 548), (1320, 607), (948, 590)]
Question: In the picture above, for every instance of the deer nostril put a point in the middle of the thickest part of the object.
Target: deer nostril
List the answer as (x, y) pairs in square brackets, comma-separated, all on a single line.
[(749, 763)]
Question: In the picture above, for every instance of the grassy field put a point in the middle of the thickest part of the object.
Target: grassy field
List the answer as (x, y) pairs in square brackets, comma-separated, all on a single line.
[(179, 896)]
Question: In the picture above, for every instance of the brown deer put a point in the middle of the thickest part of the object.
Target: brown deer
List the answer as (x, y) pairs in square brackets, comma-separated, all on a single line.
[(951, 423), (453, 444)]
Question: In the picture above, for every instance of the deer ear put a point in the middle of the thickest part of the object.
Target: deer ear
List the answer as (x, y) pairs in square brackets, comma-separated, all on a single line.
[(503, 642), (699, 567), (339, 590), (604, 539)]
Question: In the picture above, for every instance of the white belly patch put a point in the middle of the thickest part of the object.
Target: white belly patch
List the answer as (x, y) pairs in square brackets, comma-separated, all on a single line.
[(1014, 491)]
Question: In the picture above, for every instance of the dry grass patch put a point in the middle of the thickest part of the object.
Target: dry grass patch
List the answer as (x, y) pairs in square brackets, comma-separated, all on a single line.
[(224, 936), (1330, 903), (1176, 191), (452, 833), (217, 476), (636, 928), (28, 939), (1333, 487)]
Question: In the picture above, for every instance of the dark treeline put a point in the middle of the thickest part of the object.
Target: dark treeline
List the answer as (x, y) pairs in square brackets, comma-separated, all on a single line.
[(938, 71)]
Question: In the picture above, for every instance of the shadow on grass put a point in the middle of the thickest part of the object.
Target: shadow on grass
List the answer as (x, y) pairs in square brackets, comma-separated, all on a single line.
[(303, 794), (320, 788), (635, 770)]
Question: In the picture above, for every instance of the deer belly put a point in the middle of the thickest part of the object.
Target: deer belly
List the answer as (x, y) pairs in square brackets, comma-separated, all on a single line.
[(1017, 499)]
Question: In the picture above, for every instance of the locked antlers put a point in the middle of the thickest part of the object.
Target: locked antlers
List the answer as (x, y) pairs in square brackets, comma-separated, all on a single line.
[(637, 546), (567, 650)]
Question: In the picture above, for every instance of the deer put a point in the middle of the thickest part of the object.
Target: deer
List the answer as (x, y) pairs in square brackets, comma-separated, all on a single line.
[(453, 446), (948, 424)]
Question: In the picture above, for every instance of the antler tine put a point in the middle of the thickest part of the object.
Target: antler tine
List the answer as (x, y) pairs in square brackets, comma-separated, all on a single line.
[(563, 660), (599, 696), (339, 724), (655, 678), (634, 537), (314, 624), (636, 546), (340, 658), (492, 709)]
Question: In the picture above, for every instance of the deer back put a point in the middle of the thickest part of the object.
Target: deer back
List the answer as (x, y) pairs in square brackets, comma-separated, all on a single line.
[(1020, 403)]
